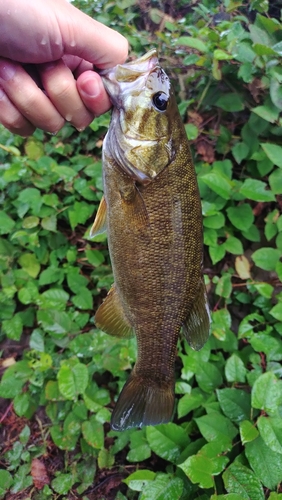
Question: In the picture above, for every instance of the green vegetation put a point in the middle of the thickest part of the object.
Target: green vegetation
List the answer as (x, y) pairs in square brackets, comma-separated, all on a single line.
[(61, 376)]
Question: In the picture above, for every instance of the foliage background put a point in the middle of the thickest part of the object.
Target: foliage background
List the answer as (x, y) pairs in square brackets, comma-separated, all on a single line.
[(61, 376)]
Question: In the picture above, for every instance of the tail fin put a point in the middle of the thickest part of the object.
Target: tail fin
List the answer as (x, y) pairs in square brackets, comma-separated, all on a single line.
[(143, 402)]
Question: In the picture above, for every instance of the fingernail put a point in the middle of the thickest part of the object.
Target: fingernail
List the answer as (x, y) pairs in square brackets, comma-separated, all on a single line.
[(91, 87), (7, 70)]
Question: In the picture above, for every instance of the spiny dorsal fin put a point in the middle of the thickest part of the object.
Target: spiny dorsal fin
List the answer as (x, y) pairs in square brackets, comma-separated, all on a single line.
[(196, 327), (99, 224), (111, 318)]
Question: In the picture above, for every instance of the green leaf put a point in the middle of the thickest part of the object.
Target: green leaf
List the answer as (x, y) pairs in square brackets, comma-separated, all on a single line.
[(233, 245), (235, 370), (235, 403), (241, 216), (167, 440), (191, 131), (189, 402), (214, 221), (163, 487), (224, 286), (218, 183), (50, 223), (242, 481), (63, 483), (275, 181), (267, 392), (240, 151), (215, 426), (13, 327), (256, 190), (268, 112), (248, 431), (208, 377), (30, 264), (6, 223), (93, 433), (266, 258), (274, 153), (217, 253), (199, 469), (6, 481), (266, 463), (66, 382), (192, 42), (221, 322), (138, 479), (139, 453), (30, 222), (270, 429), (105, 459), (84, 299), (276, 311), (230, 102)]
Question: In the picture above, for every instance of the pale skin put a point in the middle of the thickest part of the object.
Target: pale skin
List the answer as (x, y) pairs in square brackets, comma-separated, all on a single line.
[(47, 52)]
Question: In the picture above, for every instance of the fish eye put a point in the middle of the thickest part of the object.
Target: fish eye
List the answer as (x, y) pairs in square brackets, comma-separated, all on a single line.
[(160, 101)]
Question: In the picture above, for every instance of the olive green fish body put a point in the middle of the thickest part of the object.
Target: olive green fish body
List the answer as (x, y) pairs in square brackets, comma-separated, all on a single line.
[(155, 241)]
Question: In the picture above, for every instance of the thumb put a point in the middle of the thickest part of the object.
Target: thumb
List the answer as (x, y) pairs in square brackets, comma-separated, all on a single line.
[(93, 41)]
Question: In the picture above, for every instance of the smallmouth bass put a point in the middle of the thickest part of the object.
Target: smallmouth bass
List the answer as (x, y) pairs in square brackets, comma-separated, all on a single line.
[(151, 210)]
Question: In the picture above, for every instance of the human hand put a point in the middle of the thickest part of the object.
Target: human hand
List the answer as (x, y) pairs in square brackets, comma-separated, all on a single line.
[(47, 52)]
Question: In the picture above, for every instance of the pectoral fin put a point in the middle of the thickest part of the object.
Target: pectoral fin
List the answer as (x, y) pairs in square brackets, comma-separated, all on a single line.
[(99, 224), (135, 211), (110, 317), (196, 327)]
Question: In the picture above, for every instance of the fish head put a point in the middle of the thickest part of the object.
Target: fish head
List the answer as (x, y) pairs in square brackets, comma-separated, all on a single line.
[(143, 109)]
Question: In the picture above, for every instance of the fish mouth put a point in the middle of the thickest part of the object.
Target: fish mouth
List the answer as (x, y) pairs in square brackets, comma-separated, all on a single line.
[(123, 77)]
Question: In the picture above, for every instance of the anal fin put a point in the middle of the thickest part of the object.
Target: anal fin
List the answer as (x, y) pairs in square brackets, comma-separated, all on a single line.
[(111, 318), (196, 327), (99, 224)]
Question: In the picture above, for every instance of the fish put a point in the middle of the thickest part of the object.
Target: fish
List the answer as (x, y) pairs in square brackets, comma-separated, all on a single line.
[(151, 210)]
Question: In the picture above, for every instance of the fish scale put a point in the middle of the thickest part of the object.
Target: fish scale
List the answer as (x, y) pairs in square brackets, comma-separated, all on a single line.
[(152, 214)]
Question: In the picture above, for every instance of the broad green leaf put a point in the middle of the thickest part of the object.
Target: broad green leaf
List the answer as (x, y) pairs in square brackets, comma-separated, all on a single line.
[(189, 402), (138, 479), (240, 151), (163, 487), (218, 183), (30, 264), (224, 286), (233, 245), (221, 322), (276, 311), (271, 432), (49, 223), (93, 433), (6, 480), (230, 102), (208, 377), (215, 426), (63, 483), (256, 190), (267, 111), (241, 216), (6, 223), (66, 382), (30, 222), (106, 459), (217, 253), (234, 403), (242, 481), (194, 43), (13, 327), (266, 258), (215, 221), (167, 441), (248, 431), (267, 392), (266, 463), (199, 469), (84, 299), (139, 453), (274, 153), (275, 181), (235, 370)]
